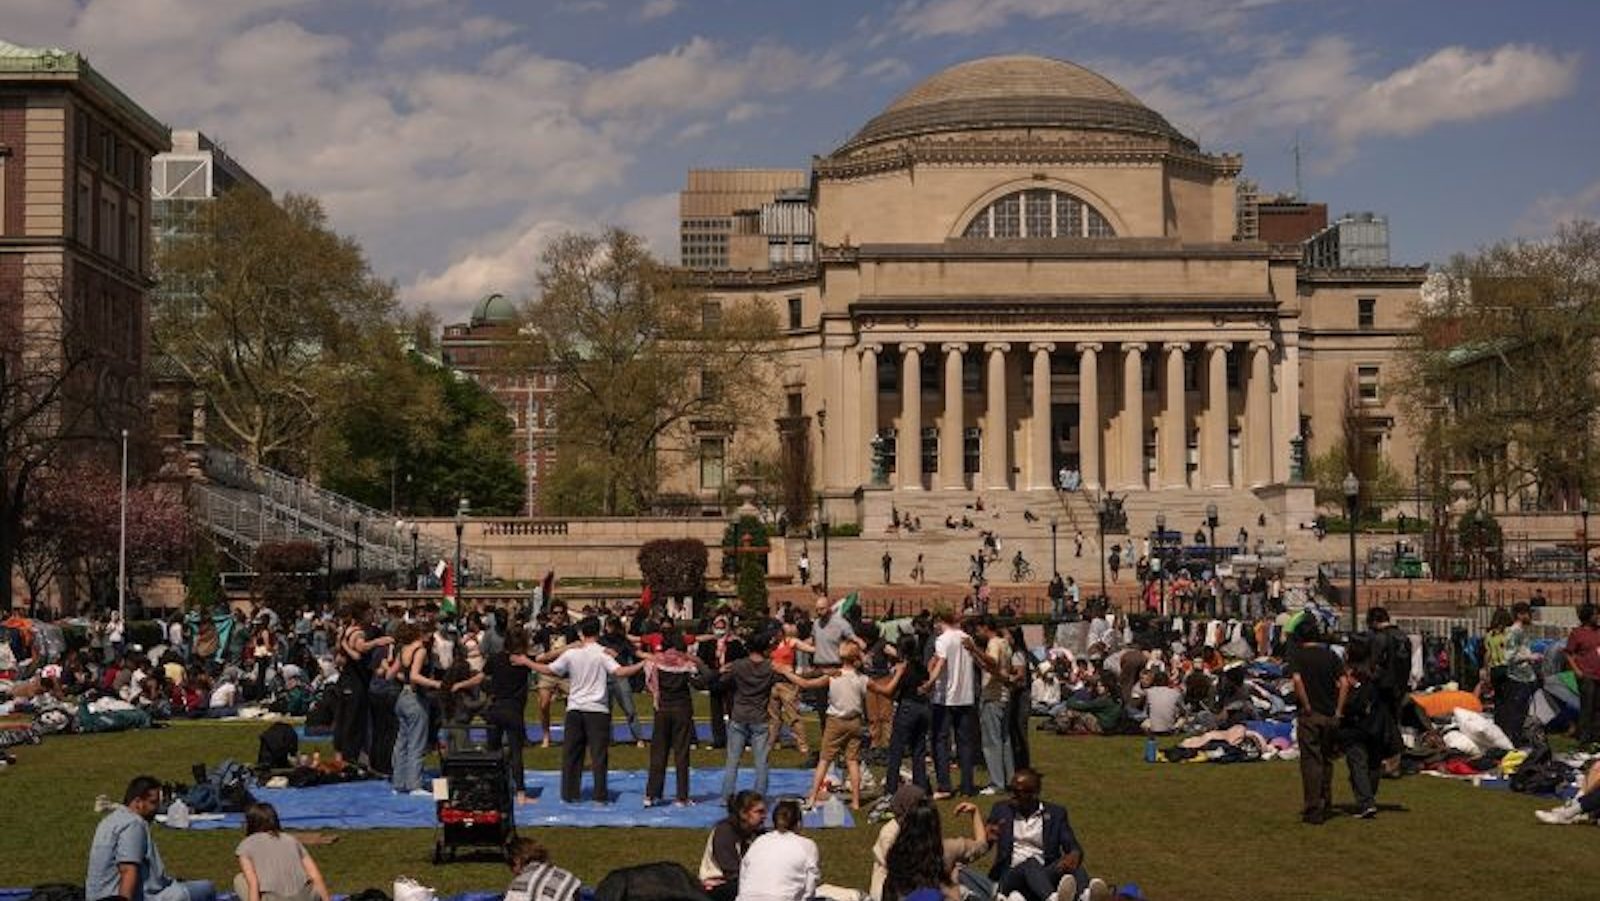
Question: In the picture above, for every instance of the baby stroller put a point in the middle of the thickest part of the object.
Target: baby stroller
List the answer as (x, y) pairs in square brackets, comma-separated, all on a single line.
[(477, 811)]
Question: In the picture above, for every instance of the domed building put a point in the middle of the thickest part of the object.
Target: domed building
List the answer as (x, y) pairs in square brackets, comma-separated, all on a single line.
[(1019, 271)]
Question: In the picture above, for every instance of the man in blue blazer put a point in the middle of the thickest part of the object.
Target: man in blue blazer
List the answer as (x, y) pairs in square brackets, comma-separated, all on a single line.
[(1036, 853)]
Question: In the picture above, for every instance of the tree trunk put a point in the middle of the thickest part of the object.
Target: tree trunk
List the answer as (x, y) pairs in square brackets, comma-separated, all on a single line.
[(8, 558)]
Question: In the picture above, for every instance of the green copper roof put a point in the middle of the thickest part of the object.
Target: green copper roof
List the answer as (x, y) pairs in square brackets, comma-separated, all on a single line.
[(52, 63), (494, 308)]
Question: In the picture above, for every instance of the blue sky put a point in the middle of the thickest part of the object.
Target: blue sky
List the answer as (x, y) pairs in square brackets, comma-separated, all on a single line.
[(453, 138)]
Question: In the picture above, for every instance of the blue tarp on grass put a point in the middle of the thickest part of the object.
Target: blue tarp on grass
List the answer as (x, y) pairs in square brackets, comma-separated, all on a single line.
[(373, 805), (619, 733)]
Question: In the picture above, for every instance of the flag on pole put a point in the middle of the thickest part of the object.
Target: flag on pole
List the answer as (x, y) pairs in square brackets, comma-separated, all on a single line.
[(850, 603), (448, 580)]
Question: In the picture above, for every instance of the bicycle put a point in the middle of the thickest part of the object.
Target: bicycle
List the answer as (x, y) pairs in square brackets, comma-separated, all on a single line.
[(1021, 571)]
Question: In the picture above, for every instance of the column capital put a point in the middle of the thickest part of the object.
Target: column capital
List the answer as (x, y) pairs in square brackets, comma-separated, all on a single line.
[(870, 348), (997, 347), (1260, 344), (1135, 346), (1048, 347), (1088, 347), (913, 347), (1219, 345), (1176, 346), (954, 347)]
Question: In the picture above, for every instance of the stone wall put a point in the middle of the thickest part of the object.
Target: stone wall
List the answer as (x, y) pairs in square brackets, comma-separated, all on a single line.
[(523, 550)]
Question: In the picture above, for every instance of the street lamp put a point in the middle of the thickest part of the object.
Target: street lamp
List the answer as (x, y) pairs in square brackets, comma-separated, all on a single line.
[(122, 539), (358, 551), (1156, 563), (329, 585), (462, 509), (1101, 513), (1211, 523), (1583, 511), (826, 524), (416, 577), (1055, 522), (1352, 492)]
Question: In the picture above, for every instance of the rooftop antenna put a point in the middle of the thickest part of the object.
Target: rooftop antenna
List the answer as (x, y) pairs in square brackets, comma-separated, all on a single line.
[(1299, 189)]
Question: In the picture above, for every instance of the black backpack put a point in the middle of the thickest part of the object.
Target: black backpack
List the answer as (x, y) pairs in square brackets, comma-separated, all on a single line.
[(279, 745), (665, 881)]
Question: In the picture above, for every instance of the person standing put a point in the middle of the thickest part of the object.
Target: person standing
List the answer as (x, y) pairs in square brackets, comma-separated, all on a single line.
[(1583, 655), (356, 643), (507, 671), (888, 566), (1315, 670), (847, 697), (620, 689), (1077, 544), (829, 630), (587, 727), (783, 711), (805, 566), (951, 678), (1363, 727), (1522, 678), (672, 676), (906, 685), (411, 737), (752, 679), (993, 654), (123, 859), (1058, 598), (1391, 676)]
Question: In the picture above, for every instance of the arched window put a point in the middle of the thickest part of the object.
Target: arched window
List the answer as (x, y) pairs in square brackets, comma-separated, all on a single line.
[(1039, 213)]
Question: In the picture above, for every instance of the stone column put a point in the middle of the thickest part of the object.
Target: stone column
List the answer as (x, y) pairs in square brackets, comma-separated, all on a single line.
[(1214, 428), (954, 421), (869, 405), (1132, 415), (908, 450), (1089, 414), (1040, 438), (1258, 417), (1174, 421), (996, 437)]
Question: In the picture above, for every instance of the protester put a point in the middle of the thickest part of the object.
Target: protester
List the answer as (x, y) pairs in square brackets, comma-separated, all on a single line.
[(847, 697), (950, 678), (123, 859), (357, 640), (587, 728), (752, 680), (783, 710), (410, 670), (954, 851), (907, 686), (994, 658), (781, 865), (1522, 678), (1036, 853), (1315, 671), (274, 866), (507, 671), (671, 677), (537, 878), (620, 689), (1583, 656), (723, 858)]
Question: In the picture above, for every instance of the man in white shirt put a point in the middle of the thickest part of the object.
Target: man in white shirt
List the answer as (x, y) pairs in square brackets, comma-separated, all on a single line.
[(781, 865), (952, 676), (588, 720)]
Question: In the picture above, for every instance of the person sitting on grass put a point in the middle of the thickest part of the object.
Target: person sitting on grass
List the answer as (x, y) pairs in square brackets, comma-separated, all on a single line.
[(781, 865), (1585, 808), (728, 842), (274, 866), (537, 878), (123, 860), (955, 852), (1037, 856), (847, 699)]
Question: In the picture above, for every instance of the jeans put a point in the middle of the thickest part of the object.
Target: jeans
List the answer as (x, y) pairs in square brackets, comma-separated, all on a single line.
[(185, 890), (996, 730), (591, 731), (959, 720), (621, 693), (912, 722), (1366, 768), (1037, 881), (754, 735), (410, 741)]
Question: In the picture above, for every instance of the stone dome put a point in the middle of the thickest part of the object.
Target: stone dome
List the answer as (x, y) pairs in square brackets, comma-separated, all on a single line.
[(1008, 92), (494, 308)]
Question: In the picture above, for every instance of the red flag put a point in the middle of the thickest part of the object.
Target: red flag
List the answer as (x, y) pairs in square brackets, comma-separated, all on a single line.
[(449, 581), (645, 598)]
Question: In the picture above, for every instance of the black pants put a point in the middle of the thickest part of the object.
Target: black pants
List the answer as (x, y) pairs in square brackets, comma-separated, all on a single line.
[(350, 717), (1511, 709), (1588, 710), (908, 735), (385, 728), (1365, 761), (589, 732), (1037, 881), (1017, 718), (1318, 738), (962, 722), (671, 733), (506, 724), (719, 715)]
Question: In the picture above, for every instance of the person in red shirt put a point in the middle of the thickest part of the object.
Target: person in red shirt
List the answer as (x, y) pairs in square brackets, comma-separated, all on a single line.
[(1583, 655)]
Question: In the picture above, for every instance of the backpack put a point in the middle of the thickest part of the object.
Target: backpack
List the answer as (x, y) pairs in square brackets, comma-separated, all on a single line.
[(223, 791), (279, 745), (665, 881), (1394, 662)]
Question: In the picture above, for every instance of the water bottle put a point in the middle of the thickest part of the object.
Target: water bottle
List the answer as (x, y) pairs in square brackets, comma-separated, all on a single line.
[(1150, 749), (178, 815), (833, 812)]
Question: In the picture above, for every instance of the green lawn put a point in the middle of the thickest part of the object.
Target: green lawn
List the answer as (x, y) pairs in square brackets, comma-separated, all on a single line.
[(1181, 831)]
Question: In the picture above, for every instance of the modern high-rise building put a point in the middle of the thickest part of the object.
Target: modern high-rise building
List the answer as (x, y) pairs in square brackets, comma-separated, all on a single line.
[(1354, 241), (744, 219), (74, 232), (194, 172)]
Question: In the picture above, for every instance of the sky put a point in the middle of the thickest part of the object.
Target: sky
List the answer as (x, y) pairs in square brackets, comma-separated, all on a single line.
[(454, 138)]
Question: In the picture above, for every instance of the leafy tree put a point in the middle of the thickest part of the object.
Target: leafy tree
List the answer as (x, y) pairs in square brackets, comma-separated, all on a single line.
[(1353, 454), (673, 567), (752, 586), (638, 357), (1500, 370), (203, 584), (282, 574), (414, 433), (284, 313)]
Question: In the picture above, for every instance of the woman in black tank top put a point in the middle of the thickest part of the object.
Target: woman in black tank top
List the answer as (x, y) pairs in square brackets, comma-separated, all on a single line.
[(351, 717)]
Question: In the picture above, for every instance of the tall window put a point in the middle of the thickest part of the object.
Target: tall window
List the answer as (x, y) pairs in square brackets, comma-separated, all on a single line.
[(930, 449), (1367, 383), (1039, 213), (713, 452), (1366, 312), (971, 449), (711, 315), (796, 310)]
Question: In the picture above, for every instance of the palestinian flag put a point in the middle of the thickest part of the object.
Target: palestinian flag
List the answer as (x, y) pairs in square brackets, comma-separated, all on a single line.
[(848, 606), (447, 580)]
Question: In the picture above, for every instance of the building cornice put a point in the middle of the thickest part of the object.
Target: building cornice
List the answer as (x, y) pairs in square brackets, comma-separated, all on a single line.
[(1394, 276), (988, 150), (1257, 310), (1004, 249), (714, 279)]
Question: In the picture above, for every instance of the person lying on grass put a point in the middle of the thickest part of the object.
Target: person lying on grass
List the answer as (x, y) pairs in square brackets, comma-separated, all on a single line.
[(847, 699)]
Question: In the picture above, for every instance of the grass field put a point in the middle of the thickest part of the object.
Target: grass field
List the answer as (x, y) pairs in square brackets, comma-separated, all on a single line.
[(1181, 831)]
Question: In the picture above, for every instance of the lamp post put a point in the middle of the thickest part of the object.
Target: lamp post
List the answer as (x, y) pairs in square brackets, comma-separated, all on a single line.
[(826, 525), (416, 577), (1583, 511), (1101, 513), (1481, 530), (329, 586), (1156, 563), (1211, 523), (1055, 522), (122, 539), (1352, 493), (358, 551), (462, 509)]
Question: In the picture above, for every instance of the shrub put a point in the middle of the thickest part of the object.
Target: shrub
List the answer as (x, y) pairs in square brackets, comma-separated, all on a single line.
[(282, 568), (845, 530), (673, 567)]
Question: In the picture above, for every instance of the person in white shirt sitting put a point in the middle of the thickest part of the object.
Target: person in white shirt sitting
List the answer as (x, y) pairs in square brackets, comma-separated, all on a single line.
[(781, 865)]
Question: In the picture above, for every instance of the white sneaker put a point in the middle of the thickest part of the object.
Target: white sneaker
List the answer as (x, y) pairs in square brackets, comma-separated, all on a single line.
[(420, 793), (1098, 890), (1569, 812), (1067, 888), (989, 790)]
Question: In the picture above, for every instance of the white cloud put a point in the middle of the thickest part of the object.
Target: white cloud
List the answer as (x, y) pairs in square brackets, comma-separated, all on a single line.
[(656, 9), (446, 37), (507, 263), (934, 18), (1456, 84), (653, 217), (1552, 210), (888, 69), (700, 76), (744, 111)]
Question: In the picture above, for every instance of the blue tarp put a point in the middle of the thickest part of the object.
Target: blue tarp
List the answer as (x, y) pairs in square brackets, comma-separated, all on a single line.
[(373, 805), (619, 733)]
